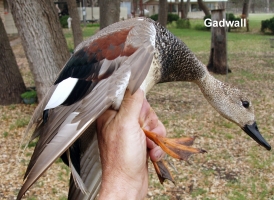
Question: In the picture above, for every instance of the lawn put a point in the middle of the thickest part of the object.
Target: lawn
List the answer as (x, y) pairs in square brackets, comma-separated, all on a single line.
[(234, 167)]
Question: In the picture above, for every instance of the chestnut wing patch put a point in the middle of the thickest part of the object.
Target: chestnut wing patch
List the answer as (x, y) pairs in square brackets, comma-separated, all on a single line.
[(86, 63)]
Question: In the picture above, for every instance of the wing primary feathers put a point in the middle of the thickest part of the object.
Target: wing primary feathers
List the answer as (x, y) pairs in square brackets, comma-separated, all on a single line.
[(76, 177), (45, 116), (91, 171)]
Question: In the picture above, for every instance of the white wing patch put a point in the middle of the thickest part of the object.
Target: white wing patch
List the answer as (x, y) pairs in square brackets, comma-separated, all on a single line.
[(61, 93)]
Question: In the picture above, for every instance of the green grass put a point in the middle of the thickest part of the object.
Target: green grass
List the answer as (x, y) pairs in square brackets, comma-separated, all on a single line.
[(199, 41), (5, 134), (255, 20), (63, 198), (198, 191), (87, 32), (32, 198), (19, 123)]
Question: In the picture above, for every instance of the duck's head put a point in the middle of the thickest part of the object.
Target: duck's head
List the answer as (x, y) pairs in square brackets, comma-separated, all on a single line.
[(234, 105)]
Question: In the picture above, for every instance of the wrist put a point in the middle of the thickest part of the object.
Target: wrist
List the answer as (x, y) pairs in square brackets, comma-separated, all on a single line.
[(120, 186)]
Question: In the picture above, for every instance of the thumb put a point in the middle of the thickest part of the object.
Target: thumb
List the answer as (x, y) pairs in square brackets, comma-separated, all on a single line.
[(131, 105)]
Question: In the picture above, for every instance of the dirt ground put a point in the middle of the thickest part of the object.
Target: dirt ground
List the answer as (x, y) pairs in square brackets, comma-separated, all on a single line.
[(234, 167)]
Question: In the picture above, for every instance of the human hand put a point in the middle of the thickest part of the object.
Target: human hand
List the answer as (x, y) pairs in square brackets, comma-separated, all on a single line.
[(123, 148)]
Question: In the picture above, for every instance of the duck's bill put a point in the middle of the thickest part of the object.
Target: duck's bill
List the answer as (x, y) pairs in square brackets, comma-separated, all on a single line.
[(253, 131)]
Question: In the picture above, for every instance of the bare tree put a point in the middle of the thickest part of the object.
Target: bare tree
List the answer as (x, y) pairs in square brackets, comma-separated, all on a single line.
[(11, 82), (109, 12), (134, 7), (162, 17), (141, 8), (75, 23), (245, 8), (42, 38), (203, 7), (252, 6), (184, 8), (246, 5), (218, 54), (267, 6)]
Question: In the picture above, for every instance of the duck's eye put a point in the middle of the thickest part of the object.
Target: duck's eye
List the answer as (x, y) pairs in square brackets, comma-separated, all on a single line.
[(245, 104)]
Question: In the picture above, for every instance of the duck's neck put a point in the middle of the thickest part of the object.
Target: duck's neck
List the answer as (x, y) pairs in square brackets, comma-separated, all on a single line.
[(176, 61), (215, 93)]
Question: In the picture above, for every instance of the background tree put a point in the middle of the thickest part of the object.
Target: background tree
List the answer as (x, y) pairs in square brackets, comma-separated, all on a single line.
[(245, 8), (11, 82), (267, 6), (246, 5), (141, 14), (162, 17), (109, 12), (42, 39), (254, 5), (218, 54), (203, 7), (134, 5), (75, 23), (184, 8)]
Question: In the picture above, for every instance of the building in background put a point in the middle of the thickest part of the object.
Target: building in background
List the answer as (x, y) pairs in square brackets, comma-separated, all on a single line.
[(7, 18), (174, 7)]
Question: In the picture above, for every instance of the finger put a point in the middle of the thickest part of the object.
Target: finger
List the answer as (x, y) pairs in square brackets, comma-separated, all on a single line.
[(131, 105), (151, 144), (159, 130), (144, 112), (156, 154), (148, 118)]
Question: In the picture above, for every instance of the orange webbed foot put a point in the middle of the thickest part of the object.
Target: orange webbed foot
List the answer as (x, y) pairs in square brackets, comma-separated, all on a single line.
[(176, 147)]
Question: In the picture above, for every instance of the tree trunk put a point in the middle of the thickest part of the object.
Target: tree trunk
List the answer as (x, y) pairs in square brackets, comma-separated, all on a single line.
[(218, 55), (141, 14), (245, 8), (246, 5), (203, 7), (267, 6), (11, 82), (184, 9), (134, 8), (109, 12), (252, 7), (75, 23), (42, 38), (187, 7), (162, 17)]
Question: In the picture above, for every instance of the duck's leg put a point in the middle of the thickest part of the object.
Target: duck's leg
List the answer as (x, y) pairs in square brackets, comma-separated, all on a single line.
[(175, 147)]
